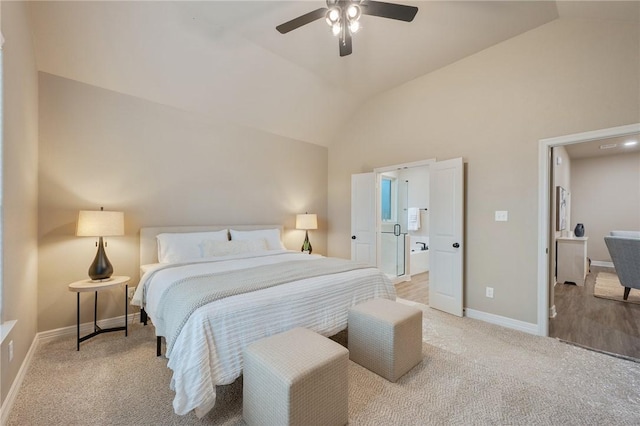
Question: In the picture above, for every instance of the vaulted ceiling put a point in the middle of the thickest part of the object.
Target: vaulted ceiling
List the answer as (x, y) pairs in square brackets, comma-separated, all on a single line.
[(225, 59)]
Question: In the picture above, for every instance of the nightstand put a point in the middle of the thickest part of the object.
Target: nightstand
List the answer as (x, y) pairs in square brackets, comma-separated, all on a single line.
[(96, 286)]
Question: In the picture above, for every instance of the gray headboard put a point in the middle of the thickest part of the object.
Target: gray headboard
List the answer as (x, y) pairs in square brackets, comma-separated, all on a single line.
[(148, 242)]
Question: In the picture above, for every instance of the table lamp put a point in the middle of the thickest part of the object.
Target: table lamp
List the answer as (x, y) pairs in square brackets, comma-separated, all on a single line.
[(306, 221), (100, 223)]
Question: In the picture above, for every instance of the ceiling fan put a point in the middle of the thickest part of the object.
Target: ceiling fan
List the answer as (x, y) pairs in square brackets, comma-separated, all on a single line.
[(343, 17)]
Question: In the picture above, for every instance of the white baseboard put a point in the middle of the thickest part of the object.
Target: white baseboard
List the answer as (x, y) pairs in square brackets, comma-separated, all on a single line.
[(47, 336), (601, 263), (85, 328), (527, 327), (15, 387)]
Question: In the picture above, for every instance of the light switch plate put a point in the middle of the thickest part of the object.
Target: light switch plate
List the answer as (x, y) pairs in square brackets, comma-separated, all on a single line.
[(502, 215)]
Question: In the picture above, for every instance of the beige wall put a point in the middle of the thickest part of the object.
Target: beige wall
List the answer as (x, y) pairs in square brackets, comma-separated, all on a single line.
[(492, 108), (161, 166), (605, 196), (19, 168)]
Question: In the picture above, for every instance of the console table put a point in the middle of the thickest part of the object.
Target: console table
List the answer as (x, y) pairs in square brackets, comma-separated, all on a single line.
[(572, 261)]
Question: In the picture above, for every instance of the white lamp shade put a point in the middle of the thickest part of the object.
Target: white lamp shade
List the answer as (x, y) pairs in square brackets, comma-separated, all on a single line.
[(100, 223), (306, 221)]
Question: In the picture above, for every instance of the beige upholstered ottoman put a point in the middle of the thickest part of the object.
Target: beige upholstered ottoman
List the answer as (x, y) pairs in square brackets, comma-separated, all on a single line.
[(385, 337), (295, 378)]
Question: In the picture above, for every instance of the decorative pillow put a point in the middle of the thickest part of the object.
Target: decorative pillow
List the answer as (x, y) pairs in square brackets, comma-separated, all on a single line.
[(272, 236), (183, 246), (212, 248)]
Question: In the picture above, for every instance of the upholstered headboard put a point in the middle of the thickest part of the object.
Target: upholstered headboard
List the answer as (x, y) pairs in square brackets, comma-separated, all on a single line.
[(149, 246)]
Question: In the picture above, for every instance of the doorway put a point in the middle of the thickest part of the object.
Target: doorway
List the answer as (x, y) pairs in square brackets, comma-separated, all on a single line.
[(439, 207), (403, 235), (548, 219)]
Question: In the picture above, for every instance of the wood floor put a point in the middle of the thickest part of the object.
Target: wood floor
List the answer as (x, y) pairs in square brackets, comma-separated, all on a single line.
[(583, 319), (601, 324), (416, 290)]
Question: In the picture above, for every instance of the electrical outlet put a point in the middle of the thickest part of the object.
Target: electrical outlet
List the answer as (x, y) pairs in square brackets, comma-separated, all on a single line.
[(10, 350), (489, 292), (131, 291)]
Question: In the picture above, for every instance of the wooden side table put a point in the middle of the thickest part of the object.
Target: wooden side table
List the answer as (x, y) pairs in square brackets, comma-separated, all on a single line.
[(96, 286)]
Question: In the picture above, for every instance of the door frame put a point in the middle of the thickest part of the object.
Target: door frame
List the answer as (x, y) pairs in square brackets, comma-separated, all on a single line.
[(379, 171), (544, 152)]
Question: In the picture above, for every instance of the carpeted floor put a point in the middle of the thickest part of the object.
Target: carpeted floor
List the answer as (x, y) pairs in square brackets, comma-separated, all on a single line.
[(472, 373), (608, 287)]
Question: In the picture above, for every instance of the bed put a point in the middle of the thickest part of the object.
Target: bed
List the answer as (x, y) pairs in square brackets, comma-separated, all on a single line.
[(210, 297)]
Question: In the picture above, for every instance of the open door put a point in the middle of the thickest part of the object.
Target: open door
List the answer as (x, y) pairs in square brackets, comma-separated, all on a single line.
[(445, 242), (363, 218)]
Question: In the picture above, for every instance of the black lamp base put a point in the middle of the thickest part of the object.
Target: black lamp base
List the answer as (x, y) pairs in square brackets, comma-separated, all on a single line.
[(101, 269), (306, 245)]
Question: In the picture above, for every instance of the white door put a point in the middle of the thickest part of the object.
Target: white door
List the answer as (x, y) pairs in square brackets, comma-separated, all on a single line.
[(446, 231), (363, 218)]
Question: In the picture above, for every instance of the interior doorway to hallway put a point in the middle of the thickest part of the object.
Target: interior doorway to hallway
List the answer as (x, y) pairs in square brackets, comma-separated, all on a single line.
[(568, 306)]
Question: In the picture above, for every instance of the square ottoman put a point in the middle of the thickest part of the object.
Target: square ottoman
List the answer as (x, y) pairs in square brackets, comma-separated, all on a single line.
[(385, 337), (295, 378)]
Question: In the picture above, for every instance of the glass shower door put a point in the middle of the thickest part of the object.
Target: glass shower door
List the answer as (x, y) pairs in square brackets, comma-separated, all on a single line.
[(393, 251)]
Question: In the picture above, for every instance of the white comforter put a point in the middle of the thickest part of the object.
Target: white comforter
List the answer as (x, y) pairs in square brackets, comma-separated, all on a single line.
[(208, 351)]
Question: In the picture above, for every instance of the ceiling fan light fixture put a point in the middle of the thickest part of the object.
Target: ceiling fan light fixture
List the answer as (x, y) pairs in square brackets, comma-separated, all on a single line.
[(353, 12), (343, 18), (333, 16)]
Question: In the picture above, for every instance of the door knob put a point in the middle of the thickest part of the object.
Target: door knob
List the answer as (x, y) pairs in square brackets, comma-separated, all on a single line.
[(353, 237), (456, 245)]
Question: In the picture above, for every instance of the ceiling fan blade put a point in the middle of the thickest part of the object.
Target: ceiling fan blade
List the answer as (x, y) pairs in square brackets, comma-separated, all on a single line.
[(400, 12), (345, 45), (302, 20)]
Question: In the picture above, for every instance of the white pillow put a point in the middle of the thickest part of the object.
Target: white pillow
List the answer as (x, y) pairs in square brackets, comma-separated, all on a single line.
[(212, 248), (183, 246), (272, 236)]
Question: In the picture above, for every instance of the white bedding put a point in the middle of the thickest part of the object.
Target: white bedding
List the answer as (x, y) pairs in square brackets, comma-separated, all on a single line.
[(208, 351)]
